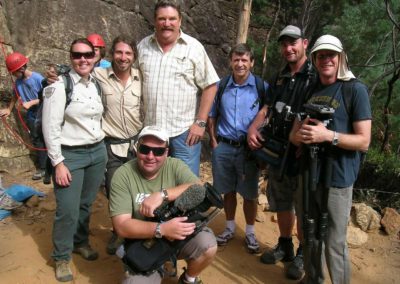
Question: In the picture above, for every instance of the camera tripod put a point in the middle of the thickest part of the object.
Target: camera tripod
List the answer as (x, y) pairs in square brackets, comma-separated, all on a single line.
[(317, 175)]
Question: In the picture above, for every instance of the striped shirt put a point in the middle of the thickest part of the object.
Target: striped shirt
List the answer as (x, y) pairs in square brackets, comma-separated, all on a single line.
[(171, 82)]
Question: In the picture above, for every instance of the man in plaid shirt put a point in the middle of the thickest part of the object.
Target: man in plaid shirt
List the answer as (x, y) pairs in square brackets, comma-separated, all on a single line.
[(175, 67)]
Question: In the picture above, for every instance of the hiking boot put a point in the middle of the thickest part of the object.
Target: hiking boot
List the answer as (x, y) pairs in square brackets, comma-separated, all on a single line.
[(252, 243), (295, 269), (114, 243), (63, 272), (182, 279), (38, 175), (227, 235), (47, 179), (86, 252), (283, 251)]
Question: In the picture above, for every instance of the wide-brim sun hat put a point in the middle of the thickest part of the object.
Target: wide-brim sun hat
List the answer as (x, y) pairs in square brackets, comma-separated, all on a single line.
[(330, 42), (327, 42)]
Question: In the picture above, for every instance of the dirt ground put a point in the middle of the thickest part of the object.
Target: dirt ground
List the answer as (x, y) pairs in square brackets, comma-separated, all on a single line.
[(25, 248)]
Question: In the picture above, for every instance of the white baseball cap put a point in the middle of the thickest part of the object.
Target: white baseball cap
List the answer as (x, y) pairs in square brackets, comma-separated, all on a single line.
[(155, 131)]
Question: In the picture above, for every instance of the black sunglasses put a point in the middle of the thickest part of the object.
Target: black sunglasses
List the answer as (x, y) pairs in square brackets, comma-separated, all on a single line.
[(86, 55), (157, 151)]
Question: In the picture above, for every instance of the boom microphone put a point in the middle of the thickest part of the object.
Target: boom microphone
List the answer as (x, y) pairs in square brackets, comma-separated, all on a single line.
[(192, 203), (191, 197)]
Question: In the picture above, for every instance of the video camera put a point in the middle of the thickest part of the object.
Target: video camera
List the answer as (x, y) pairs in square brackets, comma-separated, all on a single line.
[(323, 113), (192, 203), (62, 69)]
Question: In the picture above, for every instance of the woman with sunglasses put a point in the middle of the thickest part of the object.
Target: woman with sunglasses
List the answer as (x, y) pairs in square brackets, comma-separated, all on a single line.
[(74, 140)]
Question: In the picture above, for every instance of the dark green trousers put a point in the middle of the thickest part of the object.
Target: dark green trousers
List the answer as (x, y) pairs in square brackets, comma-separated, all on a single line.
[(71, 224)]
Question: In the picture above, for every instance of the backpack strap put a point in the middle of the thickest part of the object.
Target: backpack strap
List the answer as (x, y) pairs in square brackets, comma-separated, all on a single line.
[(221, 88), (98, 87), (348, 91), (69, 87), (261, 91)]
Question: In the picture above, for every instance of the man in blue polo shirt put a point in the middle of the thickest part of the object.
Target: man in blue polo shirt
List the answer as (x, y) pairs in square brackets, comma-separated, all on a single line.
[(229, 119)]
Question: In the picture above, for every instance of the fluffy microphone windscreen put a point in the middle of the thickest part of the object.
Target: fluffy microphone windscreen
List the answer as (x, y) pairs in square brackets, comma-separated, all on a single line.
[(191, 197)]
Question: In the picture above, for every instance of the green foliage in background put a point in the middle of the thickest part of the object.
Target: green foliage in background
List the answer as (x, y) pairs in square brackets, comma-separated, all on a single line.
[(366, 32)]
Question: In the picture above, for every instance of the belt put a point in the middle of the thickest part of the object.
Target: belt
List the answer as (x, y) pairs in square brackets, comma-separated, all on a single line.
[(87, 146), (233, 143), (112, 140)]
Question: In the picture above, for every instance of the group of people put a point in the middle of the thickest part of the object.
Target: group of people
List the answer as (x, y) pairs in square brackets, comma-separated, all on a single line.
[(139, 120)]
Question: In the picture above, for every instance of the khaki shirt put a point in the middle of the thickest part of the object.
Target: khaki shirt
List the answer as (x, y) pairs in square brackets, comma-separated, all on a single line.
[(75, 125), (122, 118), (171, 82)]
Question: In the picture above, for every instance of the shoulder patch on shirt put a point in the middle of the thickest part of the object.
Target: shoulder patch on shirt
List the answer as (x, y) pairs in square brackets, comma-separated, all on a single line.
[(49, 91)]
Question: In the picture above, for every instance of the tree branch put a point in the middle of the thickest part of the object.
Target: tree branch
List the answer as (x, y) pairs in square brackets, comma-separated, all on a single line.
[(374, 65), (381, 77), (390, 14)]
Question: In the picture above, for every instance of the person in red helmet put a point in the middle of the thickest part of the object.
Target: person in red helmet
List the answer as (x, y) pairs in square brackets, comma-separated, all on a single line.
[(100, 50), (28, 86)]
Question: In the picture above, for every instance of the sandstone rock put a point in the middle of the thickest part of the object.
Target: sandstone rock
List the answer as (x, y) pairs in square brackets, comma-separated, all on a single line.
[(356, 237), (391, 221), (365, 217)]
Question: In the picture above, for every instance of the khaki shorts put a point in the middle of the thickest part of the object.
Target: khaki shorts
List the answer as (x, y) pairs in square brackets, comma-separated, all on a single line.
[(192, 250), (281, 193)]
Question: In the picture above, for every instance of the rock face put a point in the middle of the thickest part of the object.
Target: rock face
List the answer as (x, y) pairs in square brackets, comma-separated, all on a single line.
[(43, 30)]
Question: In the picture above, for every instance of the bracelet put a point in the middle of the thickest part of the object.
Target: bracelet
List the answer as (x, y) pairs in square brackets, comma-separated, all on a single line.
[(164, 194)]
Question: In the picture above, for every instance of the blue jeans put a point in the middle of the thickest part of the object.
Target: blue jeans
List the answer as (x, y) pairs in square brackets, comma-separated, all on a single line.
[(190, 155)]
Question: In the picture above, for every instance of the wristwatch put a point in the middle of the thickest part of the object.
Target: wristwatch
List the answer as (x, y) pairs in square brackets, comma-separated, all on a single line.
[(164, 194), (201, 123), (157, 233), (335, 140)]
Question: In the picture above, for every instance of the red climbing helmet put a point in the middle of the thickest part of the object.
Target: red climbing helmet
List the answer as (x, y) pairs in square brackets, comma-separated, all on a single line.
[(15, 61), (96, 40)]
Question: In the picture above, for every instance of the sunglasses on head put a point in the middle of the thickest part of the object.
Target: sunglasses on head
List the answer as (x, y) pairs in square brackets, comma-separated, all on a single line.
[(157, 151), (86, 55)]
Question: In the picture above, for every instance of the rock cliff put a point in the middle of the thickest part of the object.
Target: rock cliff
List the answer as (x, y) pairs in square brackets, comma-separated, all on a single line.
[(44, 29)]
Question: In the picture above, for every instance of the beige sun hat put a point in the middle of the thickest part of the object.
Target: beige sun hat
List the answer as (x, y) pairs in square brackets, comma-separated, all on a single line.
[(330, 42)]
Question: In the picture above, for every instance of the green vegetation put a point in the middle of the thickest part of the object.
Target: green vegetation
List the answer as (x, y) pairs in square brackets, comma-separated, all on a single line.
[(370, 32)]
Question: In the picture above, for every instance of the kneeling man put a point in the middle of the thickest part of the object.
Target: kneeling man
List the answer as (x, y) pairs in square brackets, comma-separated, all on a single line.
[(142, 185)]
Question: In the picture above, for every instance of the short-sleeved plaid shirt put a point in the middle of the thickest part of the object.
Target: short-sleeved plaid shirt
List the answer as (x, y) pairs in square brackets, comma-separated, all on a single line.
[(171, 82)]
